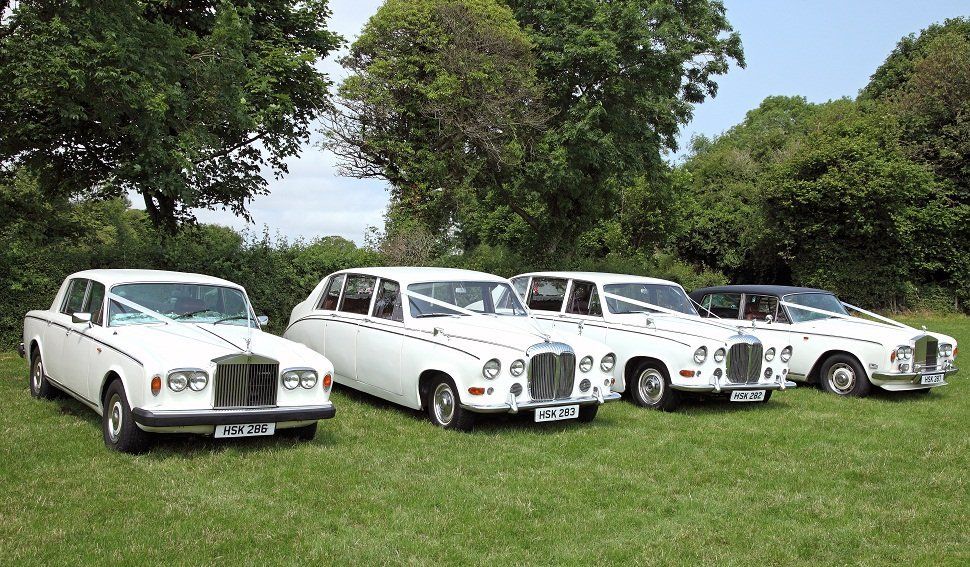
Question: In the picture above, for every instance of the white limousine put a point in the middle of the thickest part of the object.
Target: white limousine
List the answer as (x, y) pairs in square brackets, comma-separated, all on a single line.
[(169, 352), (453, 342), (663, 348)]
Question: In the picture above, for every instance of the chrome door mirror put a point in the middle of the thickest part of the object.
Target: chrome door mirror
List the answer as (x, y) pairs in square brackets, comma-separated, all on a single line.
[(263, 320), (81, 318)]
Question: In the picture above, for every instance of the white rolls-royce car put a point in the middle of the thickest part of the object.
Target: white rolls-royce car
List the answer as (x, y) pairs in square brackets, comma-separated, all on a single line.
[(846, 355), (453, 342), (168, 352), (663, 348)]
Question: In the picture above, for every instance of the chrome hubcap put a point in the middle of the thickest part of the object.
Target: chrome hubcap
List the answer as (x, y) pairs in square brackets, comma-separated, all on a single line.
[(444, 403), (841, 377), (37, 376), (114, 418), (651, 385)]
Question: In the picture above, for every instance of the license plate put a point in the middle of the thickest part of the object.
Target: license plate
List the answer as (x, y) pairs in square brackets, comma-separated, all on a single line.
[(557, 413), (748, 396), (931, 379), (245, 430)]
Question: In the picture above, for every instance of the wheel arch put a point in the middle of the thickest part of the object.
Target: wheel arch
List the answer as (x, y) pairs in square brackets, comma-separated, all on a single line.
[(424, 384), (634, 362), (814, 375)]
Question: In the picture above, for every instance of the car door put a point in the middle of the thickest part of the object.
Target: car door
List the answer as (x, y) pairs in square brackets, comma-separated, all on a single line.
[(380, 340), (343, 327), (81, 347), (326, 308), (545, 297), (57, 362), (582, 312)]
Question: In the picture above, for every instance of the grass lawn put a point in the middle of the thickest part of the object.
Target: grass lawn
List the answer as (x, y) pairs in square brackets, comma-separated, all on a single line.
[(807, 477)]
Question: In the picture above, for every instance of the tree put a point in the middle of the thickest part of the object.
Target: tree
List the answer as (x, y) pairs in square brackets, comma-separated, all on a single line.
[(441, 102), (183, 102)]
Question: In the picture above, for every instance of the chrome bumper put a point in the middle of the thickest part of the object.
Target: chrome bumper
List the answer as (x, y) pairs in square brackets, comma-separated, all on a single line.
[(902, 381), (512, 406), (184, 418), (725, 386)]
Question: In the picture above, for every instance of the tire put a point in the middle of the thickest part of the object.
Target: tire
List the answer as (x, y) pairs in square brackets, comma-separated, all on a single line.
[(588, 413), (305, 433), (444, 407), (40, 386), (842, 375), (121, 433), (650, 388), (767, 397)]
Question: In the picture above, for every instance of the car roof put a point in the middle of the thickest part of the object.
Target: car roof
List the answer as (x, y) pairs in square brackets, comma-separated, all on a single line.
[(778, 290), (600, 277), (122, 276), (405, 275)]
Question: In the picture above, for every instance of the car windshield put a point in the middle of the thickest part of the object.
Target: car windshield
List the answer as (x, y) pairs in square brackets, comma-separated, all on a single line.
[(662, 295), (494, 298), (823, 301), (191, 303)]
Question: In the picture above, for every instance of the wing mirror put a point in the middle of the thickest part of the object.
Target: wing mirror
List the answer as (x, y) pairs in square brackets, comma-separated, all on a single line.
[(81, 318), (263, 320)]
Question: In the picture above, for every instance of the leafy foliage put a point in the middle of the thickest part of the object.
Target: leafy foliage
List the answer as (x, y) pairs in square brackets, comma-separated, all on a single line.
[(182, 102)]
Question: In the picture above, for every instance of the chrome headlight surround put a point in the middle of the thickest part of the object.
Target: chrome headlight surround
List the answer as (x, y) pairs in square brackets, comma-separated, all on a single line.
[(945, 350), (719, 355), (491, 369), (586, 364), (517, 367), (904, 352), (290, 379), (700, 355), (608, 362), (770, 354), (786, 354)]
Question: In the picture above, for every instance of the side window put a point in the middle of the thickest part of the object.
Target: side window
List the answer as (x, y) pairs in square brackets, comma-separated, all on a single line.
[(758, 307), (356, 298), (388, 302), (95, 303), (721, 305), (332, 294), (584, 300), (547, 294), (74, 301), (520, 285)]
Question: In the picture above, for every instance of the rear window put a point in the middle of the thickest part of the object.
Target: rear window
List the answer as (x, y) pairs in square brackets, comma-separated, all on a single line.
[(357, 294), (547, 294)]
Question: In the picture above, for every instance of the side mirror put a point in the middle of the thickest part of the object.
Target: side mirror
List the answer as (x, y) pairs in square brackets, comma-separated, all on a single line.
[(263, 320), (81, 318), (769, 319)]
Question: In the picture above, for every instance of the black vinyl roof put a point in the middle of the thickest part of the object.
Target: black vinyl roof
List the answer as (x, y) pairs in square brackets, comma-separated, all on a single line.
[(776, 290)]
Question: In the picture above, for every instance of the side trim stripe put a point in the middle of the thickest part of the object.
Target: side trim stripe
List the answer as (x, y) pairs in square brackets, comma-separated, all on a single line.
[(65, 327)]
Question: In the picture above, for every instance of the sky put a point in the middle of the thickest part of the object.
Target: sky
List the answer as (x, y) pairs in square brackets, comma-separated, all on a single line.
[(821, 50)]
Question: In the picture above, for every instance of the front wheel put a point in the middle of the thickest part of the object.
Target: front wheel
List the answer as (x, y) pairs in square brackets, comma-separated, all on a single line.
[(121, 433), (444, 406), (40, 386), (844, 376), (650, 388)]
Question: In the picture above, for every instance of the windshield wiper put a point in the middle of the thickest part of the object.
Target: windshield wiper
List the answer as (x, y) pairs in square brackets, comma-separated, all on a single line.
[(184, 315), (232, 318)]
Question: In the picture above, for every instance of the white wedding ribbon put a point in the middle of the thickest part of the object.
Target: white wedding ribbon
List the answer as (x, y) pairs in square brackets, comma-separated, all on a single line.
[(845, 316), (452, 307), (667, 311), (166, 320)]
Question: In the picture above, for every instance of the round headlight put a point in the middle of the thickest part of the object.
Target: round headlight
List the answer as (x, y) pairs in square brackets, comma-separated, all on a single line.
[(491, 369), (770, 354), (584, 385), (198, 381), (586, 364), (700, 355), (177, 381), (517, 367), (719, 355), (516, 389), (786, 354), (291, 380), (946, 349), (308, 379), (904, 352), (767, 373), (608, 362)]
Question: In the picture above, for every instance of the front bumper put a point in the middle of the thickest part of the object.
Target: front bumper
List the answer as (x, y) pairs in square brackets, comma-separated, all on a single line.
[(186, 418), (898, 382), (512, 406), (724, 386)]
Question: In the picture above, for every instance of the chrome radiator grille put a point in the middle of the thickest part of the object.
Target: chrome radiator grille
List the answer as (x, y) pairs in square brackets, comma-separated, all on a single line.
[(552, 371), (743, 362), (927, 350), (245, 385)]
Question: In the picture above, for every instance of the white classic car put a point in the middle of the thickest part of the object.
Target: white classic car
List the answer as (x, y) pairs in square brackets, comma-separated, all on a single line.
[(167, 352), (453, 342), (846, 355), (663, 348)]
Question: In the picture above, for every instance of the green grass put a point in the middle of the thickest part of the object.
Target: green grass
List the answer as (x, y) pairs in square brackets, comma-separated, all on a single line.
[(806, 478)]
